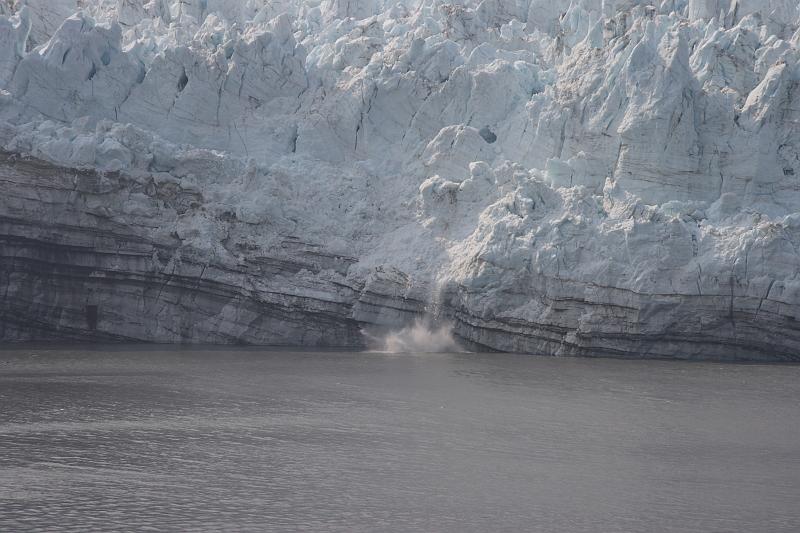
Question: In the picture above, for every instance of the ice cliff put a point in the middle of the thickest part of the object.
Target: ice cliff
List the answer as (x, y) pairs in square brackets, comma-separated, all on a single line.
[(583, 177)]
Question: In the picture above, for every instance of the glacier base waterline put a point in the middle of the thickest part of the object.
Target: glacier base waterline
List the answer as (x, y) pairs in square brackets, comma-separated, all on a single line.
[(103, 280)]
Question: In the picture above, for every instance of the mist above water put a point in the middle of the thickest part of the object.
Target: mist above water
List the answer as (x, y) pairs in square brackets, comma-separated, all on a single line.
[(423, 336)]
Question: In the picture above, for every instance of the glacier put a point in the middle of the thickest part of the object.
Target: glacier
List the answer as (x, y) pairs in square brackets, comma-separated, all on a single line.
[(564, 177)]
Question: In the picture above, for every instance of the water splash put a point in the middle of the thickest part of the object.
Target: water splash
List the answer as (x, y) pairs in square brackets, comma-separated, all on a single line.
[(423, 336)]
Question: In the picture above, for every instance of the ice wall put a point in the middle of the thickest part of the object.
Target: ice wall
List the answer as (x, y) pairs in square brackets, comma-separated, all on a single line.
[(615, 176)]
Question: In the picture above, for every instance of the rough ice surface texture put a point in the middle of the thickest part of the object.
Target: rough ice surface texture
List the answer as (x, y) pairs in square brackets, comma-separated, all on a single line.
[(584, 177)]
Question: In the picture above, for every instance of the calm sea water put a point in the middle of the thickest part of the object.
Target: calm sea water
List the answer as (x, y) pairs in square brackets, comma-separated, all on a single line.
[(239, 439)]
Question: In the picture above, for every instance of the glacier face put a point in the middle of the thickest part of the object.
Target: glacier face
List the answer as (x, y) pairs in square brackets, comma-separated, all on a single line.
[(577, 177)]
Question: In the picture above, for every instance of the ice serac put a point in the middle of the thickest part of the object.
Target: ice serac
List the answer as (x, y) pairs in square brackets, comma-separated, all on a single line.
[(584, 177)]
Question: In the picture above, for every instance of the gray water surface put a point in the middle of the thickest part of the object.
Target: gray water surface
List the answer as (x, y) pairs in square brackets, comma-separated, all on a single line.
[(241, 439)]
